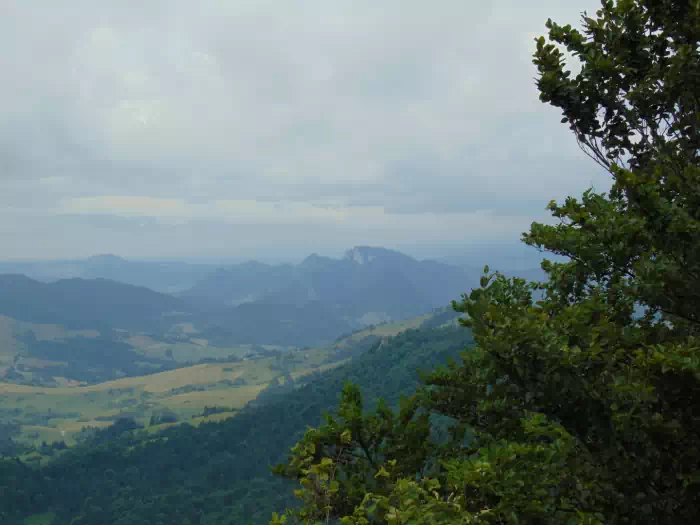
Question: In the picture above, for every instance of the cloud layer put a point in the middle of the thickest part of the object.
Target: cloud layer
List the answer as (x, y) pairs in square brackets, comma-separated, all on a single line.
[(253, 128)]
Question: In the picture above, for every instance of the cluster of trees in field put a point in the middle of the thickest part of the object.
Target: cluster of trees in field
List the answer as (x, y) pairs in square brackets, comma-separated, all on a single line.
[(8, 445), (89, 359)]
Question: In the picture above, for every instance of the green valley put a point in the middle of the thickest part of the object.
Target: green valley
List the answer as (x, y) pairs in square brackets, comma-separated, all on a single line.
[(65, 411), (225, 465)]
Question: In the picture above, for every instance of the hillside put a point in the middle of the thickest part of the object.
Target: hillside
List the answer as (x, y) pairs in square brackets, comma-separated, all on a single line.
[(49, 355), (81, 303), (48, 404), (216, 472), (118, 317), (311, 324), (165, 277), (308, 304)]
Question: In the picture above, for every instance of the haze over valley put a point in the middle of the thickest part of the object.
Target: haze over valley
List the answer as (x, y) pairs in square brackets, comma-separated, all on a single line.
[(86, 345)]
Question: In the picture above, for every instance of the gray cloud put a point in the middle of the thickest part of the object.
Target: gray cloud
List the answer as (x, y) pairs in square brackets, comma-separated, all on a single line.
[(250, 127)]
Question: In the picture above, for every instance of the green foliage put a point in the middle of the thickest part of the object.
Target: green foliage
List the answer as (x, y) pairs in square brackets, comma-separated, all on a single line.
[(8, 446), (634, 109), (21, 491), (166, 415), (217, 473), (636, 96), (572, 409), (341, 460), (92, 360)]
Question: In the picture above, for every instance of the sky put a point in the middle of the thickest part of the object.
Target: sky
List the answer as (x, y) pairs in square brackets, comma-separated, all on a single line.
[(257, 129)]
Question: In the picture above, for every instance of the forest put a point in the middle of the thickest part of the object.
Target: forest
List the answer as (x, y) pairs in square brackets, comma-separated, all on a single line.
[(218, 472), (571, 401)]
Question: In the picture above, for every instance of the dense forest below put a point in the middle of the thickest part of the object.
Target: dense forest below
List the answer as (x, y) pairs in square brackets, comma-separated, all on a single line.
[(217, 473)]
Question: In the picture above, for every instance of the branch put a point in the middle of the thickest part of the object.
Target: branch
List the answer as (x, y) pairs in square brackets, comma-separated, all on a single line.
[(365, 449)]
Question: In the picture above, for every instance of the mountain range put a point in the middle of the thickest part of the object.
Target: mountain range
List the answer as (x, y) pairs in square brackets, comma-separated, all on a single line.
[(84, 303), (123, 326), (367, 286), (309, 303), (165, 277)]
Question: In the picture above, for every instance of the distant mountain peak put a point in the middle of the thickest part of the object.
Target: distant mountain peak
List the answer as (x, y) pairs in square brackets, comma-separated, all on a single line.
[(360, 256), (367, 254), (316, 261), (6, 278)]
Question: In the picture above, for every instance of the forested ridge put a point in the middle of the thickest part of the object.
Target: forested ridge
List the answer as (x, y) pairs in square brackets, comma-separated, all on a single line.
[(219, 472)]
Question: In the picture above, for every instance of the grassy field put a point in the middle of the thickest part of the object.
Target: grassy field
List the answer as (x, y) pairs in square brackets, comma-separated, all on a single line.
[(180, 346), (192, 349), (40, 519), (59, 413), (391, 329), (11, 331)]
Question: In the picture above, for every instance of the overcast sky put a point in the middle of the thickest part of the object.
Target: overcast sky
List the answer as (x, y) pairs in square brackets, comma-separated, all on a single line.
[(220, 128)]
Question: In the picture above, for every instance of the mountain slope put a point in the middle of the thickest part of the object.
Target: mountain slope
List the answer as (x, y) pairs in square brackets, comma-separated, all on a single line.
[(84, 303), (308, 304), (273, 324), (241, 283), (366, 286), (166, 277), (218, 472)]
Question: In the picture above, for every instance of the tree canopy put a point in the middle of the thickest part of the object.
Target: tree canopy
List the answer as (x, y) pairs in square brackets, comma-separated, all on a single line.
[(581, 407)]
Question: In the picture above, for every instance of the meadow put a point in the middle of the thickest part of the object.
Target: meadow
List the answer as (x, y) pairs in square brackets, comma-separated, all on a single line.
[(193, 394)]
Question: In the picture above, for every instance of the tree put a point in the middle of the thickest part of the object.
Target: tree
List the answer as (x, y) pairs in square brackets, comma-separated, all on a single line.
[(634, 109), (163, 416), (582, 407), (342, 459)]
